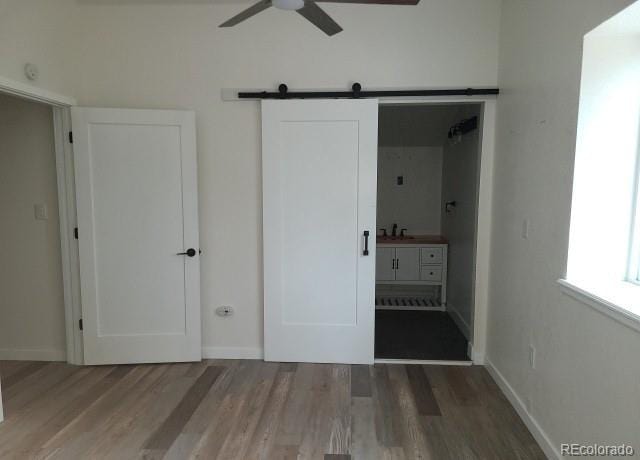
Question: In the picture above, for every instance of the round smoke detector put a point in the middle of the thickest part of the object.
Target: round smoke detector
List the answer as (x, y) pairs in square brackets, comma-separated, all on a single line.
[(31, 71)]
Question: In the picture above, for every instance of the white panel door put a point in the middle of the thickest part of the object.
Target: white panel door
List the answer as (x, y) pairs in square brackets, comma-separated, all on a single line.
[(137, 210), (407, 264), (385, 264), (319, 199)]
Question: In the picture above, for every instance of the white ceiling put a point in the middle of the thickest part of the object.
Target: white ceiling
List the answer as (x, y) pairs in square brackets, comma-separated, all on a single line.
[(420, 125)]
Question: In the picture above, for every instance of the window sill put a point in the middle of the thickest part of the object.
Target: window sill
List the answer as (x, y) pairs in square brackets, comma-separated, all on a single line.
[(620, 301)]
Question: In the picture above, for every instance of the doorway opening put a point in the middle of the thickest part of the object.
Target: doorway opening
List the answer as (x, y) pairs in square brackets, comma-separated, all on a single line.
[(37, 122), (427, 218), (32, 309)]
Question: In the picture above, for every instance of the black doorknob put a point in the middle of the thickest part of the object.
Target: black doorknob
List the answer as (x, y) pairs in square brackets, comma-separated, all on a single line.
[(190, 252)]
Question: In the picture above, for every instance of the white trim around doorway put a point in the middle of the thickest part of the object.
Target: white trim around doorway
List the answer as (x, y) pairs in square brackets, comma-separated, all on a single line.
[(60, 105), (488, 104)]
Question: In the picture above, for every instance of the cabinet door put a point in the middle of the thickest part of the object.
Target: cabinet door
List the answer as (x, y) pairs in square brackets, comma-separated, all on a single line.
[(407, 264), (384, 264)]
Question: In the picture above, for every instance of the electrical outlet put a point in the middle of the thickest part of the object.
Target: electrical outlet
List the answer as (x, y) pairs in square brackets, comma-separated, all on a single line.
[(532, 356), (40, 211), (225, 310), (525, 229)]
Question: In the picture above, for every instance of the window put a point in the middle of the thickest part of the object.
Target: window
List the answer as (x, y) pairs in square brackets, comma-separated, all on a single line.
[(633, 264), (604, 243)]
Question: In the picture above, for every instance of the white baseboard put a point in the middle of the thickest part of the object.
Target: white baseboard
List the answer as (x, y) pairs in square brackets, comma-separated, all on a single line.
[(459, 320), (476, 356), (532, 424), (42, 354), (232, 353)]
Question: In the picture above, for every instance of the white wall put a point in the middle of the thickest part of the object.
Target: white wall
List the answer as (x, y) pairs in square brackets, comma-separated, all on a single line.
[(414, 205), (172, 55), (31, 304), (585, 386), (40, 32), (460, 176)]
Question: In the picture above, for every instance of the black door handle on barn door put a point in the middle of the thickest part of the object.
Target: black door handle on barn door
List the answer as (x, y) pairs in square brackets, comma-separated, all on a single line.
[(189, 252), (366, 243)]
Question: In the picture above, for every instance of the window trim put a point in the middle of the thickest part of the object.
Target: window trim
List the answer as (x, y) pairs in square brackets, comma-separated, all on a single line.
[(609, 308), (633, 261)]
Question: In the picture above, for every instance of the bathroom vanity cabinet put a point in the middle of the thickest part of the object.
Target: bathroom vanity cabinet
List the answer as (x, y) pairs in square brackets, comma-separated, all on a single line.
[(412, 261)]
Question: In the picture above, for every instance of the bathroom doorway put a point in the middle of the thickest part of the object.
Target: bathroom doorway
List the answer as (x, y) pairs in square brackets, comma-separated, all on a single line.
[(427, 221)]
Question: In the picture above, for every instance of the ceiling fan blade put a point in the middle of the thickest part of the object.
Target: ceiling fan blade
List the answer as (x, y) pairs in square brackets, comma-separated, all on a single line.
[(246, 14), (316, 15), (375, 2)]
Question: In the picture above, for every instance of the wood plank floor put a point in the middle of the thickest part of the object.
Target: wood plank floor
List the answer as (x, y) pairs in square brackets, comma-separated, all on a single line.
[(256, 410)]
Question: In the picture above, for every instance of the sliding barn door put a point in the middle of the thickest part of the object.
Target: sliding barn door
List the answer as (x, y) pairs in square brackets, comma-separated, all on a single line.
[(138, 235), (319, 201)]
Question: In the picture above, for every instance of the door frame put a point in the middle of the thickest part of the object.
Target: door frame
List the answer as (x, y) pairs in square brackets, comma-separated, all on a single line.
[(61, 109), (478, 339)]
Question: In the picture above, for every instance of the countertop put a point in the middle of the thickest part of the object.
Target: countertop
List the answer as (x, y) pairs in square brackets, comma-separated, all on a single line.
[(411, 239)]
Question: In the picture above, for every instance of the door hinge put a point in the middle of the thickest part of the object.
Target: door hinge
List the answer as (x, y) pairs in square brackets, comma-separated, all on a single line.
[(80, 326), (70, 137), (75, 233)]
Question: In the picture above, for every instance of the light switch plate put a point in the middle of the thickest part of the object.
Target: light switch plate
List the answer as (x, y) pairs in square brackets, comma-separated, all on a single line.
[(525, 229), (532, 356), (40, 211)]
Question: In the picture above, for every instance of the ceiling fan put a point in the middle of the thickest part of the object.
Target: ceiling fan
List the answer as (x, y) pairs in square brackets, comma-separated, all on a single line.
[(309, 10)]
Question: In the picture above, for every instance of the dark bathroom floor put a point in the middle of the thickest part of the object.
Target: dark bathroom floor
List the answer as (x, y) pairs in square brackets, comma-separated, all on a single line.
[(429, 335)]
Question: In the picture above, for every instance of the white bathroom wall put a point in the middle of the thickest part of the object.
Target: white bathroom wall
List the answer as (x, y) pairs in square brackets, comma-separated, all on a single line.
[(585, 386), (414, 205), (460, 176), (31, 303), (411, 139)]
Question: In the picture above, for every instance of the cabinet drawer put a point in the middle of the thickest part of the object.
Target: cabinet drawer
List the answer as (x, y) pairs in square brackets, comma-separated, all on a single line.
[(431, 255), (428, 273)]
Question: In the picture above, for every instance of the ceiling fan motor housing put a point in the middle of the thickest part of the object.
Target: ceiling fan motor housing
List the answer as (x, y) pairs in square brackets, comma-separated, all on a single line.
[(288, 4)]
